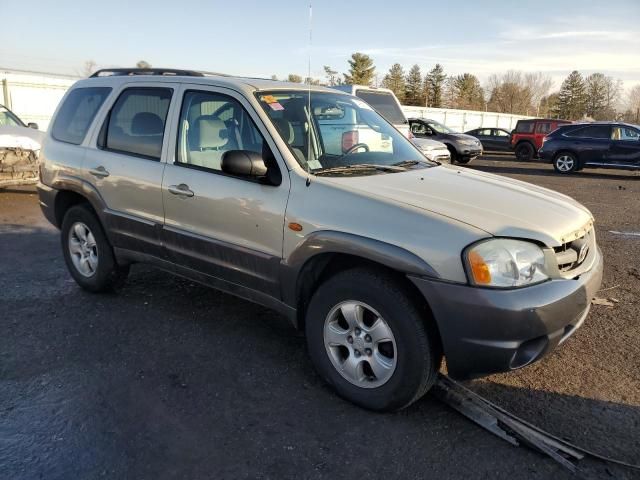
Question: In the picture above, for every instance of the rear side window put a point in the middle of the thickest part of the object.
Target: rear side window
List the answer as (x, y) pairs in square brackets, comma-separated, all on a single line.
[(544, 127), (593, 131), (77, 112), (136, 122), (524, 126), (385, 104)]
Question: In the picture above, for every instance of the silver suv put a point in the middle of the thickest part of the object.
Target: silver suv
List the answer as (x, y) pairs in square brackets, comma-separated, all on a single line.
[(388, 262)]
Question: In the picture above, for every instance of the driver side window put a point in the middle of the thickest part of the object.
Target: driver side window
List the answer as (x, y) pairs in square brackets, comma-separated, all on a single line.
[(210, 125), (418, 128)]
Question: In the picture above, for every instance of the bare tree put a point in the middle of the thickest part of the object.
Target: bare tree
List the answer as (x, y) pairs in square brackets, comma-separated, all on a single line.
[(633, 105), (88, 68), (539, 85)]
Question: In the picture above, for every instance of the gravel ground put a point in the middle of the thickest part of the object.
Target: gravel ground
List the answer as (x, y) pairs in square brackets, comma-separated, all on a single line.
[(168, 379)]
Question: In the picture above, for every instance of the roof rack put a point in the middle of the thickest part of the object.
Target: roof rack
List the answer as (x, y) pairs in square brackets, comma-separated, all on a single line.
[(111, 72)]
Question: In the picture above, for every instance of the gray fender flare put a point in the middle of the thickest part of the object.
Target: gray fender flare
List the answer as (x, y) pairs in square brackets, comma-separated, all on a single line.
[(328, 241)]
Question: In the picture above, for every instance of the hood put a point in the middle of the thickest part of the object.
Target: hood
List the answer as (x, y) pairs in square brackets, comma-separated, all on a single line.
[(498, 205), (20, 137), (426, 142), (460, 136)]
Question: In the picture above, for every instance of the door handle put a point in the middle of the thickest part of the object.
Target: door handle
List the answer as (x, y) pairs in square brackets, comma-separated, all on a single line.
[(99, 172), (181, 190)]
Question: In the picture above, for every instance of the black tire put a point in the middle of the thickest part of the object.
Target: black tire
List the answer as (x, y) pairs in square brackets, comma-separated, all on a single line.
[(454, 154), (566, 163), (463, 160), (525, 152), (108, 275), (418, 352)]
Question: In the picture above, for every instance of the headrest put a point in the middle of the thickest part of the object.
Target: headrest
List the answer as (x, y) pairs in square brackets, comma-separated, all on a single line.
[(210, 132), (285, 129), (146, 123)]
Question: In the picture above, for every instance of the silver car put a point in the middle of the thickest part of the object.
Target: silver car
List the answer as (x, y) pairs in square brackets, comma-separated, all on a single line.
[(387, 261)]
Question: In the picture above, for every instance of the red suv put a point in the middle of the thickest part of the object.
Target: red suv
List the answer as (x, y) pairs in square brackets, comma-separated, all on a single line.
[(526, 138)]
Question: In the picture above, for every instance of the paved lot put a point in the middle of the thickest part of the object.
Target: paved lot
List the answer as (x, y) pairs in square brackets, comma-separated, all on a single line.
[(168, 379)]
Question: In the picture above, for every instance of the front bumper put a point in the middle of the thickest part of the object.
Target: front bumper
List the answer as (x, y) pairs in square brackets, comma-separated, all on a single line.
[(486, 331), (466, 152)]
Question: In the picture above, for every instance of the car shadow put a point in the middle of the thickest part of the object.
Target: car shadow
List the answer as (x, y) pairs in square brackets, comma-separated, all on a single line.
[(546, 172)]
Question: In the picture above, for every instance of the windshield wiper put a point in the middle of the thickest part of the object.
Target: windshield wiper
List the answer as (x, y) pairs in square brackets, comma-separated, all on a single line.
[(360, 166), (411, 163)]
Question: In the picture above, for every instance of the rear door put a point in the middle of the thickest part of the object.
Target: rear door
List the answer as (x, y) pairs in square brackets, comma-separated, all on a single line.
[(625, 146), (542, 129), (126, 167), (228, 227), (591, 143)]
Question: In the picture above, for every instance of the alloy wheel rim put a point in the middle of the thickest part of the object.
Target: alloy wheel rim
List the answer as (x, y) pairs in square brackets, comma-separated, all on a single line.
[(360, 344), (83, 249), (565, 163)]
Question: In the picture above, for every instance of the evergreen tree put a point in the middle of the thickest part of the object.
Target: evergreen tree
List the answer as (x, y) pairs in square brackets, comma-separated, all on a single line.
[(571, 99), (434, 85), (394, 81), (467, 94), (414, 87), (596, 96), (294, 78), (361, 71)]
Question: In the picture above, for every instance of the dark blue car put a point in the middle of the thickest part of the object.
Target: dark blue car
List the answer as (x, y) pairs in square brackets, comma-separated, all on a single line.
[(600, 145)]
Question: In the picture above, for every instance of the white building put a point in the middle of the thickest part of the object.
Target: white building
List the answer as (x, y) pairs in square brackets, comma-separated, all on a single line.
[(33, 96)]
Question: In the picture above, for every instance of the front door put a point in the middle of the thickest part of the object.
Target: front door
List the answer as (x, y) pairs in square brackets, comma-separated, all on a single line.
[(228, 227), (625, 146), (126, 166)]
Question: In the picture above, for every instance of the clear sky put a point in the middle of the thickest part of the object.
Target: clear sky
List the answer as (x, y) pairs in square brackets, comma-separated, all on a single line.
[(260, 38)]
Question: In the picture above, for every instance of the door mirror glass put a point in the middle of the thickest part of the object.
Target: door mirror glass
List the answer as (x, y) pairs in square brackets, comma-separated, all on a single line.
[(243, 163), (32, 125)]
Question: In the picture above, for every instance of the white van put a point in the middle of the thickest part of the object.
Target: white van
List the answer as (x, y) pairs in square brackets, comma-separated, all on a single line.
[(383, 101)]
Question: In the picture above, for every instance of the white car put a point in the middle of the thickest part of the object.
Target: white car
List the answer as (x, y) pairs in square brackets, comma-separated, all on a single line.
[(19, 150), (433, 150)]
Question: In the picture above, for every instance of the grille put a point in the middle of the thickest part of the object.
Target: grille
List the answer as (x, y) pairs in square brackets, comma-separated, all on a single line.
[(572, 254)]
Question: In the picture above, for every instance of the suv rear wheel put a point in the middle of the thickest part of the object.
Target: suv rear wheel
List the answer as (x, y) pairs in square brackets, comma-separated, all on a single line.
[(525, 151), (87, 252), (565, 162), (368, 339)]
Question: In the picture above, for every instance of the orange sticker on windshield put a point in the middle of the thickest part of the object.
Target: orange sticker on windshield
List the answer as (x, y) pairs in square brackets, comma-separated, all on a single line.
[(269, 99)]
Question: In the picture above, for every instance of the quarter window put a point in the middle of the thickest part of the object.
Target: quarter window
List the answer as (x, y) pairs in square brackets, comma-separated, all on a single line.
[(210, 125), (77, 112), (524, 126), (136, 122)]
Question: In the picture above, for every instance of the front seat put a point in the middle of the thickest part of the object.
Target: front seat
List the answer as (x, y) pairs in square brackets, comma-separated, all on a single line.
[(286, 131), (208, 140), (147, 128)]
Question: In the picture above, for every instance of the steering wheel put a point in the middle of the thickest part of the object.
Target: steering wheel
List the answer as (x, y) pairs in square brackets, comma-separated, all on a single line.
[(355, 147)]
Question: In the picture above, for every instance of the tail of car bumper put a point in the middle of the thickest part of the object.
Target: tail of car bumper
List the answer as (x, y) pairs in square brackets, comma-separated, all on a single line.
[(485, 331)]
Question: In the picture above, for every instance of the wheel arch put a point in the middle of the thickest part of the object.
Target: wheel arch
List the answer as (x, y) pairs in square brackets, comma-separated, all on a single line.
[(323, 254)]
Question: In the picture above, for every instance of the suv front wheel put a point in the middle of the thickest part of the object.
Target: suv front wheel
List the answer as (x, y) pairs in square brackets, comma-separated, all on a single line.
[(565, 162), (369, 340), (87, 252)]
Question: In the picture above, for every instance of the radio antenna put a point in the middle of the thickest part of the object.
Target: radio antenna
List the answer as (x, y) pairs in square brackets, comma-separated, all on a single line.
[(309, 95)]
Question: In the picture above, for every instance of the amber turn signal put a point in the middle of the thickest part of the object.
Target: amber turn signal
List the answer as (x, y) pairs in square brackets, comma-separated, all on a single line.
[(296, 227), (479, 269)]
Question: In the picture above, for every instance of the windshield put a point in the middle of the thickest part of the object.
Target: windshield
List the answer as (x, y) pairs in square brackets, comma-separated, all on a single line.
[(345, 135), (385, 104), (8, 118), (439, 128)]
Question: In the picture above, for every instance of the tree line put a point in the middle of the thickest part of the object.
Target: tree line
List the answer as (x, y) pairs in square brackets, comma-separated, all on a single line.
[(595, 96)]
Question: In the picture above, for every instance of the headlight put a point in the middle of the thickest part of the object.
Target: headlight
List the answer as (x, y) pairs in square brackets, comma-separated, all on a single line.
[(504, 263), (469, 143)]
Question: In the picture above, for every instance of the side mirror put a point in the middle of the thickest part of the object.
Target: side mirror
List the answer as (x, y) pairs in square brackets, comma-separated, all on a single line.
[(243, 163), (32, 125)]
